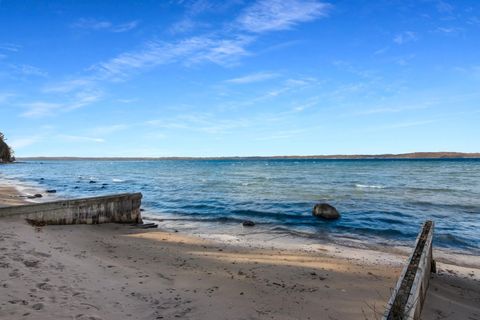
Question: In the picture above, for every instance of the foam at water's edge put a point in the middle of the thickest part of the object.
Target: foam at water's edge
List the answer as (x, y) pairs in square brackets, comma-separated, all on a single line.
[(25, 190)]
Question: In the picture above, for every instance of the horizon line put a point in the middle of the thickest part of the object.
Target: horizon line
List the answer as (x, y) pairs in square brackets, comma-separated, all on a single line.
[(409, 155)]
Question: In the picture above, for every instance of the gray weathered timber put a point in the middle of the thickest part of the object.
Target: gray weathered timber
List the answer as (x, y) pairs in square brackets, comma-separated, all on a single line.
[(120, 208), (408, 297)]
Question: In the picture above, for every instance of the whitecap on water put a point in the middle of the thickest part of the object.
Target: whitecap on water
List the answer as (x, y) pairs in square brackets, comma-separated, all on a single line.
[(370, 186)]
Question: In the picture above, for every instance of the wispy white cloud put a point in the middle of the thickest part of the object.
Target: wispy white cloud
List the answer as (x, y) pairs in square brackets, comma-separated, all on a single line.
[(198, 7), (409, 124), (28, 70), (10, 47), (83, 98), (307, 105), (394, 109), (73, 94), (19, 143), (445, 7), (283, 87), (272, 15), (449, 30), (108, 129), (184, 25), (282, 134), (125, 26), (73, 138), (5, 97), (403, 60), (122, 100), (354, 69), (224, 47), (470, 71), (292, 85), (200, 122), (189, 51), (68, 85), (194, 9), (155, 136), (254, 77), (93, 24), (38, 109), (405, 37), (401, 125), (381, 51)]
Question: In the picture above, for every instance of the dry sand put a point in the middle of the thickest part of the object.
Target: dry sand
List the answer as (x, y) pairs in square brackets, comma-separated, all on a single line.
[(118, 272)]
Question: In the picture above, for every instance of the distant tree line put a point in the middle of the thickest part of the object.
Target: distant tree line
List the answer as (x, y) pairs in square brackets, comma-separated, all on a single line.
[(6, 153)]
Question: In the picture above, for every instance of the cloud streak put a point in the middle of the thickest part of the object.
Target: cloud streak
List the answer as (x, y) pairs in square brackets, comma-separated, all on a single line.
[(224, 47), (405, 37), (274, 15), (93, 24), (188, 51), (73, 138), (10, 47), (38, 109), (254, 77)]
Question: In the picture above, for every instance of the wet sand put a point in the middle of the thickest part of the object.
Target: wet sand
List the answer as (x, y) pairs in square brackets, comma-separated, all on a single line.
[(115, 271)]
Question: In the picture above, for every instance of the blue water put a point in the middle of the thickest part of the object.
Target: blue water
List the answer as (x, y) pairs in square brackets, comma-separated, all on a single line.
[(381, 201)]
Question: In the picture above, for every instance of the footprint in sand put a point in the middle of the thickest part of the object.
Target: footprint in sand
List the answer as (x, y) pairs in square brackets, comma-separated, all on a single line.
[(38, 306), (87, 317), (39, 254), (44, 286), (31, 263)]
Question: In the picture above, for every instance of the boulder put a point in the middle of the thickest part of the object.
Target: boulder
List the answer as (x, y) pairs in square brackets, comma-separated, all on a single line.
[(325, 211), (248, 223), (38, 195)]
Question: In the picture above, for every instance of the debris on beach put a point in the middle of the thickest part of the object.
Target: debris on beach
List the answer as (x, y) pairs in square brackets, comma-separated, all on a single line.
[(248, 223), (145, 225)]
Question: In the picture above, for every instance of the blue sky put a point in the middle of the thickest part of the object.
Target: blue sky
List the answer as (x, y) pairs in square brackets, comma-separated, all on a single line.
[(237, 78)]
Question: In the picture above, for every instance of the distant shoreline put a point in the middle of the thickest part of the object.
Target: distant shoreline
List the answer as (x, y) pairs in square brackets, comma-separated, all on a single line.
[(413, 155)]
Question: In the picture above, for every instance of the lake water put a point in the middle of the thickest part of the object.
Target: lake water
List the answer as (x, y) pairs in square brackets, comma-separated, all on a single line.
[(381, 201)]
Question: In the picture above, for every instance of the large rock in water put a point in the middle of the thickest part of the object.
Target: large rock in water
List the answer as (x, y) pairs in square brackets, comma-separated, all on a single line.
[(325, 211)]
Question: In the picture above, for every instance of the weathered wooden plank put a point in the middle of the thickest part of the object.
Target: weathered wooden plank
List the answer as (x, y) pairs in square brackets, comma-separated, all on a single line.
[(409, 294)]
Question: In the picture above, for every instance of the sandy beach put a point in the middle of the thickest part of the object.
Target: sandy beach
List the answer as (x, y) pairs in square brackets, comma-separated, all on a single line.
[(114, 271)]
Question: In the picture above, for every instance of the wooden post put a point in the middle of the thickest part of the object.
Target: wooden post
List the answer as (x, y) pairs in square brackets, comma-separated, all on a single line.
[(407, 299)]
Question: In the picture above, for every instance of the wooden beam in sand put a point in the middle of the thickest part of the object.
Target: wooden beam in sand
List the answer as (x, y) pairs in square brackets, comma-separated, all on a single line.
[(409, 294)]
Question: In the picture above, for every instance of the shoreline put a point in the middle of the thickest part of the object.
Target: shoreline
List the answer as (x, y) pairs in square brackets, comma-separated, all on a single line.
[(262, 238), (378, 209), (115, 271)]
